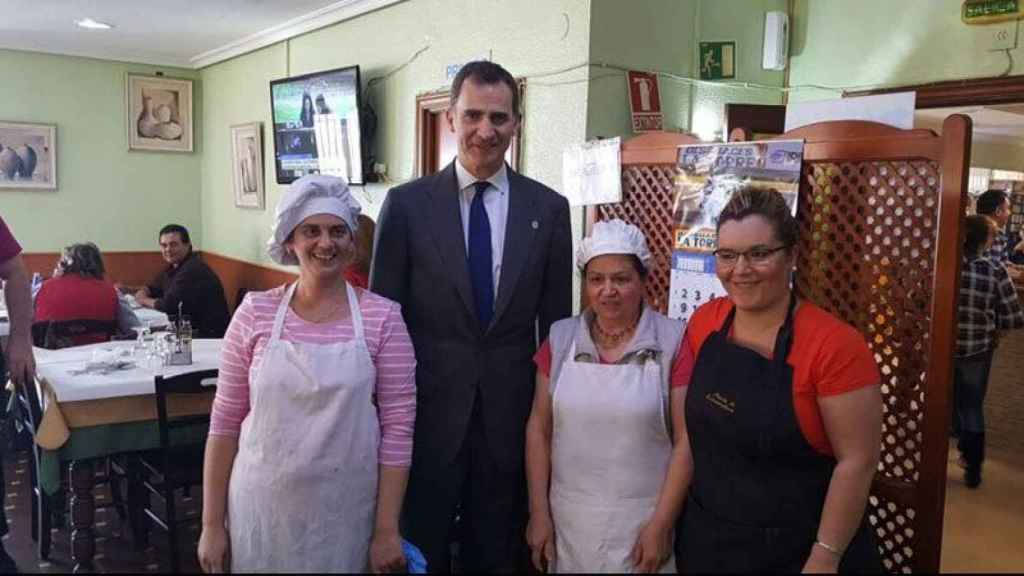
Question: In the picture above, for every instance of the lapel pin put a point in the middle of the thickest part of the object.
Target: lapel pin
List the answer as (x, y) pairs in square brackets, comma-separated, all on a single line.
[(535, 224)]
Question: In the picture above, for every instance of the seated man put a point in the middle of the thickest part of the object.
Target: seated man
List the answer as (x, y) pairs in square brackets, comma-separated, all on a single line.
[(188, 281)]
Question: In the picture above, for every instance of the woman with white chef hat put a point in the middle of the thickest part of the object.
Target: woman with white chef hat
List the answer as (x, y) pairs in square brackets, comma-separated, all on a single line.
[(311, 430), (606, 450)]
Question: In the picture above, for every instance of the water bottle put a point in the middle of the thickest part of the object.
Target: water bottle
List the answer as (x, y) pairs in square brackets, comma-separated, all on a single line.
[(37, 283)]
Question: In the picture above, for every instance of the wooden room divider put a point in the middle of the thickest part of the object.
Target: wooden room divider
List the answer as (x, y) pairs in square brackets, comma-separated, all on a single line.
[(880, 215)]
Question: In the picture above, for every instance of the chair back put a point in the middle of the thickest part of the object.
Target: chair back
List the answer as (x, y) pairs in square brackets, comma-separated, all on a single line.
[(57, 334), (183, 384)]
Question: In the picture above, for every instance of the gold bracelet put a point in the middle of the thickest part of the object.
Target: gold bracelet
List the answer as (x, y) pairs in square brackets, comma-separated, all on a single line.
[(830, 549)]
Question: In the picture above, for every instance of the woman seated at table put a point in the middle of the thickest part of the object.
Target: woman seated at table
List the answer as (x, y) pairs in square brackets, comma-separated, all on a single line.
[(311, 432), (78, 291), (783, 414), (606, 426)]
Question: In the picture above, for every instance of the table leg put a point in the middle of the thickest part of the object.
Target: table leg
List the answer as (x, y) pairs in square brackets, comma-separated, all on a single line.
[(138, 500), (83, 514)]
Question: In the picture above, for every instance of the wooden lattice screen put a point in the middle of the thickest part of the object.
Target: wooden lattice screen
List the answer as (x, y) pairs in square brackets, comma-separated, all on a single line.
[(648, 179), (879, 212)]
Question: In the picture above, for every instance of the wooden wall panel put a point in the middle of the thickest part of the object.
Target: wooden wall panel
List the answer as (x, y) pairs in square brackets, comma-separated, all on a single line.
[(136, 268), (131, 268), (237, 274)]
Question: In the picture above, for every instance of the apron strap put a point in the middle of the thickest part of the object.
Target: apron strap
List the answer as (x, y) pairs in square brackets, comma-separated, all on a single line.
[(282, 310), (356, 313), (353, 305), (784, 338)]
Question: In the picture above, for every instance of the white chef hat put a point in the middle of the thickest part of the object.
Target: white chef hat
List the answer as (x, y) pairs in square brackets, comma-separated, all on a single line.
[(613, 237), (308, 196)]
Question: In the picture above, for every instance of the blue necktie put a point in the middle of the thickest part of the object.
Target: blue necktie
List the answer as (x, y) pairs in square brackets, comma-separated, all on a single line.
[(481, 267)]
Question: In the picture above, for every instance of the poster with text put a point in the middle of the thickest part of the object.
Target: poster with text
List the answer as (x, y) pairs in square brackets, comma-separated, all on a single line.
[(708, 176)]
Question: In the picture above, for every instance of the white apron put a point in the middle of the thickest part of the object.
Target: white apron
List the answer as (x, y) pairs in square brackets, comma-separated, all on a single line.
[(303, 489), (610, 454)]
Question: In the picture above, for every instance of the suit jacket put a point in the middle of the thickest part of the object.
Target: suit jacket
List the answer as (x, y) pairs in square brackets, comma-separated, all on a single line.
[(420, 261)]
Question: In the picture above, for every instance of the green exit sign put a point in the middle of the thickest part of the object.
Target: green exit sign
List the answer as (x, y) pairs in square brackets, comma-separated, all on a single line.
[(984, 9), (717, 60)]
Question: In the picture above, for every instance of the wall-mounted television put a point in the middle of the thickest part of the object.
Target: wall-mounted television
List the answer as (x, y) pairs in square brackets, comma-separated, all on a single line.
[(316, 125)]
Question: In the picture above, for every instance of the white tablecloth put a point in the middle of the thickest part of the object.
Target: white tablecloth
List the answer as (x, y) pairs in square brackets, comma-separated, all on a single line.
[(57, 367)]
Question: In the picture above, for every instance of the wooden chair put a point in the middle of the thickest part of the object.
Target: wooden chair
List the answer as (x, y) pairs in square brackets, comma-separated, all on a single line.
[(173, 465), (54, 335), (48, 510)]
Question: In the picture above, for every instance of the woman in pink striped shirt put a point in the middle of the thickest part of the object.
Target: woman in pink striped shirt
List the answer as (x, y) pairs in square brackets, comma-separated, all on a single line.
[(311, 432)]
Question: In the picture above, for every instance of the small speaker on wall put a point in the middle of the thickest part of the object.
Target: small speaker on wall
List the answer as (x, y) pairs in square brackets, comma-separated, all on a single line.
[(776, 41)]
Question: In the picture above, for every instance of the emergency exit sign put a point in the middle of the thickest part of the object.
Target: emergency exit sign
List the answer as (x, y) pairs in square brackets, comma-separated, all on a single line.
[(717, 60), (989, 11)]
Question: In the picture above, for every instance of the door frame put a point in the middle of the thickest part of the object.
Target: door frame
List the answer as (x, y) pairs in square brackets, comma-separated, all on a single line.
[(429, 104), (947, 94)]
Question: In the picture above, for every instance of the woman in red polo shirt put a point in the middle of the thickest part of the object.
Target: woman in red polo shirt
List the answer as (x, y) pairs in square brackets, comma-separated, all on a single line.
[(78, 291), (783, 413)]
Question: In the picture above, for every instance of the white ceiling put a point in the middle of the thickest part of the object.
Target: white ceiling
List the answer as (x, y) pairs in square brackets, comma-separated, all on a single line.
[(1001, 123), (186, 33)]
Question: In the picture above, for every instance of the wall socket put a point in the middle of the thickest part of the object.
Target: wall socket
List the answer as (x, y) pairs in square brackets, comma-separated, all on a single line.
[(1002, 36), (380, 168)]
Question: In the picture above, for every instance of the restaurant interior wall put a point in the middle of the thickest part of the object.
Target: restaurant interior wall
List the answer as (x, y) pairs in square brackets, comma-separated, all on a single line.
[(870, 43), (409, 45), (741, 21), (106, 194), (651, 35)]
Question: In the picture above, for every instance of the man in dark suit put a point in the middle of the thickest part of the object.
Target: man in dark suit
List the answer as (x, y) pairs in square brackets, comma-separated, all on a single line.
[(479, 257)]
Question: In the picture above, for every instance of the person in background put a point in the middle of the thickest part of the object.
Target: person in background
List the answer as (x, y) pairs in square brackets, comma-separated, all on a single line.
[(988, 304), (18, 359), (188, 281), (306, 116), (480, 258), (78, 291), (995, 205), (783, 414), (358, 272), (311, 429), (606, 448)]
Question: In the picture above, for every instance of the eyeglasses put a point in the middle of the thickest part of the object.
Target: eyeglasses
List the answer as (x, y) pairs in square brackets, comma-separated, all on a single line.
[(756, 256)]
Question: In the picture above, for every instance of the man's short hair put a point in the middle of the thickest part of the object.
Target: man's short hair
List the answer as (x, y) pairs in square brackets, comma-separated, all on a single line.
[(176, 228), (485, 72), (990, 201)]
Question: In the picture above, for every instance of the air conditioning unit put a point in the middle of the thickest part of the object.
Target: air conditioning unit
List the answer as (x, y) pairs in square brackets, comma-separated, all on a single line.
[(776, 41)]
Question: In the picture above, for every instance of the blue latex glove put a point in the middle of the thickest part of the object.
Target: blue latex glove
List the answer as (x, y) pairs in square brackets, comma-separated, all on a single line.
[(417, 564)]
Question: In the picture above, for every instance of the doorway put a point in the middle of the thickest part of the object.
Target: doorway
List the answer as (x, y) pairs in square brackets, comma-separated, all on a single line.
[(436, 145)]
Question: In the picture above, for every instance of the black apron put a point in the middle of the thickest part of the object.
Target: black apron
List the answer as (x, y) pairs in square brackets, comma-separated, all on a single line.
[(758, 486)]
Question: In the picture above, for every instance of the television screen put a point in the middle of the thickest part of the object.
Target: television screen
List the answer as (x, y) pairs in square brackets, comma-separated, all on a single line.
[(316, 125)]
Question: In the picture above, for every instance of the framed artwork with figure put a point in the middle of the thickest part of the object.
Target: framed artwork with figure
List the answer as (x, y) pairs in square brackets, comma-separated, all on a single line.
[(28, 156), (247, 164), (159, 113)]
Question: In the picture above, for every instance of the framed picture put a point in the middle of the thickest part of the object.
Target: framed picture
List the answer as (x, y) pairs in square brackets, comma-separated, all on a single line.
[(28, 156), (247, 164), (159, 113)]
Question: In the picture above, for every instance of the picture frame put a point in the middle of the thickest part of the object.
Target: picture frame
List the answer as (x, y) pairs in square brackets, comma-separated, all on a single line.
[(28, 156), (247, 165), (159, 113)]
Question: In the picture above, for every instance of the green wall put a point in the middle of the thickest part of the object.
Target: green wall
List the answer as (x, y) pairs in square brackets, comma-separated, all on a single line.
[(532, 38), (105, 194), (648, 35), (867, 43), (741, 21)]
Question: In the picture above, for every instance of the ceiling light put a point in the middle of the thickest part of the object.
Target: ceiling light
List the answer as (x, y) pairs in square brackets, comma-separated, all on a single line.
[(93, 25)]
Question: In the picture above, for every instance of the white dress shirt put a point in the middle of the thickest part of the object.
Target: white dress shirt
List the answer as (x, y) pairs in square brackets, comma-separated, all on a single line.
[(496, 205)]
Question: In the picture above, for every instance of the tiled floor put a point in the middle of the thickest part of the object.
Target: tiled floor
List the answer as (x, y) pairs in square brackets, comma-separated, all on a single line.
[(983, 529), (115, 551)]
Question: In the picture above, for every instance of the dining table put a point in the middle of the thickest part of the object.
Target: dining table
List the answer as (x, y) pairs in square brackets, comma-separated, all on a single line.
[(99, 401)]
